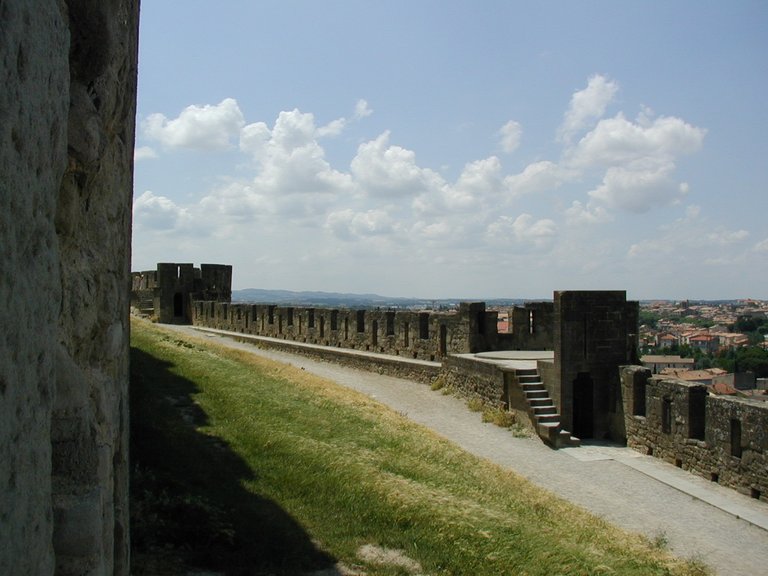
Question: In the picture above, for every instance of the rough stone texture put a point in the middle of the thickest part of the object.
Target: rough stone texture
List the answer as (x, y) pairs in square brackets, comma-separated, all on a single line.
[(33, 121), (485, 381), (680, 423), (67, 100)]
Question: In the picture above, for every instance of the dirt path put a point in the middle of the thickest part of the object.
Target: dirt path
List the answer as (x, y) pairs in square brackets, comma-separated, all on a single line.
[(692, 517)]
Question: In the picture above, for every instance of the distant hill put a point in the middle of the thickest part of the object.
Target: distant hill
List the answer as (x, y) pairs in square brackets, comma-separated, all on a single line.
[(346, 300)]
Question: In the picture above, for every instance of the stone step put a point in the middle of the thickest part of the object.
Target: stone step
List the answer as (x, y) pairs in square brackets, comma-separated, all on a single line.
[(527, 379), (534, 402), (565, 439), (532, 386), (548, 419), (541, 410), (526, 372), (536, 394)]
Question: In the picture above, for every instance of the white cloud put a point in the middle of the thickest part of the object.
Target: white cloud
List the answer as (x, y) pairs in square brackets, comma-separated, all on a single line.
[(580, 215), (618, 141), (436, 232), (157, 213), (362, 110), (254, 138), (637, 160), (536, 177), (723, 237), (350, 225), (510, 134), (143, 153), (587, 105), (478, 181), (333, 128), (639, 188), (289, 158), (761, 246), (522, 231), (209, 127), (387, 170), (336, 127), (692, 241)]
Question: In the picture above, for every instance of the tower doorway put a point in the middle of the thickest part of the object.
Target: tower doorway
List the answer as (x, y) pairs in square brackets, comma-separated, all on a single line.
[(583, 406), (178, 305)]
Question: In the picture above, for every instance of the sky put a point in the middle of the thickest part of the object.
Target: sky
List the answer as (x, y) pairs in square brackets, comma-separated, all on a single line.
[(457, 149)]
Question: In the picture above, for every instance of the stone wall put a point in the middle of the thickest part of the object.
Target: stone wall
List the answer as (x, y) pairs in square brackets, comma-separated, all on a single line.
[(723, 439), (67, 104), (473, 378), (408, 369), (427, 336)]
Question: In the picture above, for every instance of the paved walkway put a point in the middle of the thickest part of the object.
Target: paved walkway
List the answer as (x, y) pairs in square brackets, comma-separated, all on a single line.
[(696, 518)]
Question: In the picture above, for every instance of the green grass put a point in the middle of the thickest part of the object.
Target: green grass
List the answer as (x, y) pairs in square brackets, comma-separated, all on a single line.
[(251, 467)]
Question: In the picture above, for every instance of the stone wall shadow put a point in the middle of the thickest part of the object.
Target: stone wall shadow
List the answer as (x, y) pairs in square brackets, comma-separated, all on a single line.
[(188, 505)]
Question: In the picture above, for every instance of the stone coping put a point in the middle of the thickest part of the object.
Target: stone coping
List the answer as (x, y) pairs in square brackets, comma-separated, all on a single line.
[(511, 359)]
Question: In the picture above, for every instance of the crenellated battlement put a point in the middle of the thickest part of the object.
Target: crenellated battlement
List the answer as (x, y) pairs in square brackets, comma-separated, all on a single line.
[(423, 335)]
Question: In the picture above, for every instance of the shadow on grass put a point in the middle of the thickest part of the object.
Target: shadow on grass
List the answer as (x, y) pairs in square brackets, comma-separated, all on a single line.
[(188, 506)]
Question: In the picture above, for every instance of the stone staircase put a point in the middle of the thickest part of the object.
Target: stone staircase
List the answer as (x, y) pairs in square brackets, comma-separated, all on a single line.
[(542, 410), (146, 306)]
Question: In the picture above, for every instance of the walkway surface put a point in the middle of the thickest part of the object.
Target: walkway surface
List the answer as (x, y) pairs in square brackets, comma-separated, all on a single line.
[(694, 517)]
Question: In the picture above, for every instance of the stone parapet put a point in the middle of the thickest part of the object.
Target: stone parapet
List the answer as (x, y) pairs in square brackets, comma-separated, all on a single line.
[(720, 438), (421, 335)]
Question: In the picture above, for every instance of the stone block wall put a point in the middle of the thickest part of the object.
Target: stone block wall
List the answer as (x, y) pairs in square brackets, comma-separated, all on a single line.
[(67, 105), (720, 438), (417, 335), (473, 378)]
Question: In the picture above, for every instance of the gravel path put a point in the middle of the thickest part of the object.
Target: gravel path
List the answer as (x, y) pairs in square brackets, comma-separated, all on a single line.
[(696, 519)]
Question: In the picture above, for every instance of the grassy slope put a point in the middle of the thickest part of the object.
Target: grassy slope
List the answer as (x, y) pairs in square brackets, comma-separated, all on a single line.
[(249, 466)]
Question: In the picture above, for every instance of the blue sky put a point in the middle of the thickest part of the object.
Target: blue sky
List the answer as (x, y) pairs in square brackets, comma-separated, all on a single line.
[(457, 149)]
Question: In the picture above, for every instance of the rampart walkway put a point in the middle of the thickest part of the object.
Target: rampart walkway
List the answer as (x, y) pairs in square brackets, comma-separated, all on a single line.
[(695, 518)]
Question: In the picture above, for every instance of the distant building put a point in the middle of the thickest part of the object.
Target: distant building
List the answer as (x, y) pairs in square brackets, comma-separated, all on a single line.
[(666, 340), (707, 376), (707, 343), (503, 323), (657, 363), (730, 340)]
